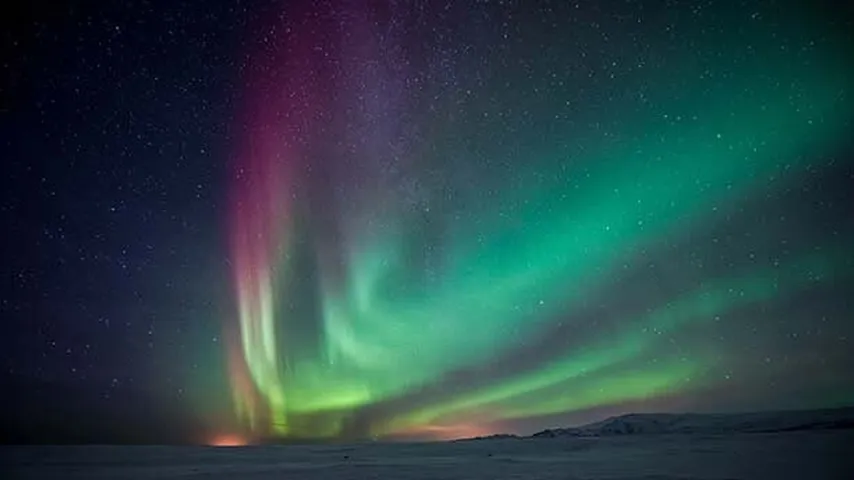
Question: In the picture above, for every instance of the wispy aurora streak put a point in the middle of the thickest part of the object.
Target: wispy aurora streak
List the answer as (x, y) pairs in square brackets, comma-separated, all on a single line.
[(380, 294)]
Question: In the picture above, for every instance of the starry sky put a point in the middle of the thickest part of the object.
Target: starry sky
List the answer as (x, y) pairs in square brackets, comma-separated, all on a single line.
[(281, 220)]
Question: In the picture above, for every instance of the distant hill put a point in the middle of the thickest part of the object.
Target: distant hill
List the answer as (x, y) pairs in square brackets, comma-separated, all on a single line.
[(718, 423)]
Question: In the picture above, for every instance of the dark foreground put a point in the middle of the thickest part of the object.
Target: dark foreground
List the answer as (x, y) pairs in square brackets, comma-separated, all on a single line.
[(791, 455)]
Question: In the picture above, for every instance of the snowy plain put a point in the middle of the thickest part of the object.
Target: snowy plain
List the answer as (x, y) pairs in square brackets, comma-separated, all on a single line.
[(825, 454)]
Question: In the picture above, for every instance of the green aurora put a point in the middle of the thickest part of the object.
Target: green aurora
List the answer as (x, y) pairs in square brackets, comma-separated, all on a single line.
[(478, 307)]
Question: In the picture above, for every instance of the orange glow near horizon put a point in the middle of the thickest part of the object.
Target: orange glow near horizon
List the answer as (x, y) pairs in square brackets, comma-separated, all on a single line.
[(449, 432), (228, 440)]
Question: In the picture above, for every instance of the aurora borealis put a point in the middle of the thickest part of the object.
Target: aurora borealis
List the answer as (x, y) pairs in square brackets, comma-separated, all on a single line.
[(445, 220), (252, 221)]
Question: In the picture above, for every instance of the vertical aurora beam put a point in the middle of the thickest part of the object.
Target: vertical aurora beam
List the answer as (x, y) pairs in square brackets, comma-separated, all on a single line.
[(281, 103), (259, 234)]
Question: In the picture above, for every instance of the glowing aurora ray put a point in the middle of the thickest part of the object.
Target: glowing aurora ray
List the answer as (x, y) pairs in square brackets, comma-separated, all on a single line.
[(575, 382)]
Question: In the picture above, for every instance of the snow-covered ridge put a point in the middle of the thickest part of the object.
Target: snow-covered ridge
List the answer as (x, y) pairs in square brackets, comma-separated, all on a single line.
[(759, 422)]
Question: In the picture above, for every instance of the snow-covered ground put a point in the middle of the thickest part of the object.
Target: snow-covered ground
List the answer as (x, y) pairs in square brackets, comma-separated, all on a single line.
[(823, 454)]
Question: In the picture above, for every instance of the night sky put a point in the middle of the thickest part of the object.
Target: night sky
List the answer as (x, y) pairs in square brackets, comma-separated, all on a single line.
[(329, 220)]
